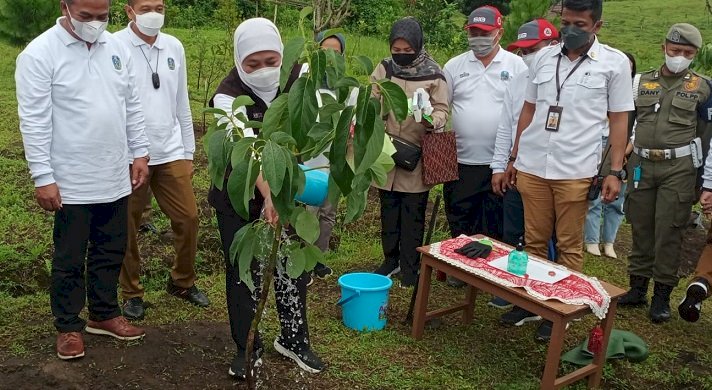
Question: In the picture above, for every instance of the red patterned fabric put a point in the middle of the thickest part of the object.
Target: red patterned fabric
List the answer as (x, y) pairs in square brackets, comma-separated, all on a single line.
[(439, 158), (576, 289)]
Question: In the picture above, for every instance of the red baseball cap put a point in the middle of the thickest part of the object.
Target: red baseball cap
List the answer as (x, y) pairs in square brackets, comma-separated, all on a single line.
[(534, 32), (485, 18)]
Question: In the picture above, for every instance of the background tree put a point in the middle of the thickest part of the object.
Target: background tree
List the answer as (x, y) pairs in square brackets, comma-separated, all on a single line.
[(23, 20), (468, 6), (330, 13)]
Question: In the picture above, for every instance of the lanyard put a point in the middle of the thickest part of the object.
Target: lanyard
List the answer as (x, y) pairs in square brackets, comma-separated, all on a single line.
[(560, 85)]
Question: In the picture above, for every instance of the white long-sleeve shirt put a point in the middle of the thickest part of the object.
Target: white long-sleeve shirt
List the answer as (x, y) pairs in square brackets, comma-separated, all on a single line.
[(80, 115), (507, 129), (169, 122)]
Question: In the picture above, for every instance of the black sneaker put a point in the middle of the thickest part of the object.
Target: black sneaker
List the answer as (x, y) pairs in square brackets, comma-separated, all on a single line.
[(455, 282), (518, 317), (543, 332), (133, 309), (388, 268), (311, 279), (500, 303), (192, 294), (304, 357), (691, 305), (147, 228), (322, 271), (237, 367)]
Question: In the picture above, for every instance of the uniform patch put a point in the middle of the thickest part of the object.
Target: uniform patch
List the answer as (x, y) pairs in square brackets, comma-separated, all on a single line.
[(649, 93), (464, 74), (504, 75), (171, 64), (651, 85), (685, 95), (116, 61), (693, 84), (675, 36)]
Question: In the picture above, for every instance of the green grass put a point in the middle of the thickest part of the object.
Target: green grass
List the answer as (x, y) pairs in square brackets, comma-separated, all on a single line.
[(482, 355)]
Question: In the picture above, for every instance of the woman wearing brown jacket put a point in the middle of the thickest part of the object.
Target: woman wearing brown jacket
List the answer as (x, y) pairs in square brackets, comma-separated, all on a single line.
[(404, 197)]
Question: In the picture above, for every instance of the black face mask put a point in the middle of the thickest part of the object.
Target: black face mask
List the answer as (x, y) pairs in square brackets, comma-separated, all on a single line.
[(404, 59), (575, 38)]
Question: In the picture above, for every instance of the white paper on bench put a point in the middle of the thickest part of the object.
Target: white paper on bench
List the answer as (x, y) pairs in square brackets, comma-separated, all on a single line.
[(536, 270)]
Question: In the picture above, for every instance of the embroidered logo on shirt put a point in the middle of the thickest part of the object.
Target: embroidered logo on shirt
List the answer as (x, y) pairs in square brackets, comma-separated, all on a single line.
[(692, 84), (651, 85), (117, 62), (504, 75), (464, 74), (171, 64)]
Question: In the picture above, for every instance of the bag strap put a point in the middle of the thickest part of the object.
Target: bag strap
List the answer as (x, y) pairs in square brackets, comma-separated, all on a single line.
[(605, 155)]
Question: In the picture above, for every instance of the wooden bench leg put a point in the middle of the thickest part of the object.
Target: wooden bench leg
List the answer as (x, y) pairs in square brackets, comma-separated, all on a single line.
[(551, 368), (594, 381), (421, 300), (470, 297)]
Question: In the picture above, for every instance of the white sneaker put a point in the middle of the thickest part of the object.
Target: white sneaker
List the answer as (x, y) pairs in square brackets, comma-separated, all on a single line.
[(593, 249), (609, 251)]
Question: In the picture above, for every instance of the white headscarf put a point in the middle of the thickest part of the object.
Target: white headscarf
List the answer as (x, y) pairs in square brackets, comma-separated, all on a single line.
[(252, 36)]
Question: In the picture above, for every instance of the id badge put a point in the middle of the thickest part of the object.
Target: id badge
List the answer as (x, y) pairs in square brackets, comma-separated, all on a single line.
[(553, 118)]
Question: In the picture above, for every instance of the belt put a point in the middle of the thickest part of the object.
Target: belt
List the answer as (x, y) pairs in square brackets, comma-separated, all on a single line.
[(663, 154)]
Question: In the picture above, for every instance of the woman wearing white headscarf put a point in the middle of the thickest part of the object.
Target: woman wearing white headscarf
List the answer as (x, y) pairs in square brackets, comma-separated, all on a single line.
[(258, 58)]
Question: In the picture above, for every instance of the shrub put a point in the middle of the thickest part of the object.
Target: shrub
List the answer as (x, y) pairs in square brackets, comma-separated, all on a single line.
[(442, 23), (467, 6), (23, 20), (523, 11), (375, 17)]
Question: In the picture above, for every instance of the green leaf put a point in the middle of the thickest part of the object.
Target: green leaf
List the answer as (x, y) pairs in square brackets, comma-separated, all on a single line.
[(334, 194), (374, 144), (253, 125), (246, 250), (292, 51), (312, 256), (365, 63), (216, 160), (241, 186), (307, 226), (296, 263), (328, 110), (214, 111), (274, 166), (340, 171), (365, 130), (356, 200), (283, 138), (394, 99), (236, 241), (242, 150), (302, 109), (306, 11), (347, 82), (277, 117), (241, 101)]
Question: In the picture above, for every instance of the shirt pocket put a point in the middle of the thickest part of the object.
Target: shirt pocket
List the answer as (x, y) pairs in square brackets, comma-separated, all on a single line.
[(682, 111), (645, 109), (544, 81), (591, 86)]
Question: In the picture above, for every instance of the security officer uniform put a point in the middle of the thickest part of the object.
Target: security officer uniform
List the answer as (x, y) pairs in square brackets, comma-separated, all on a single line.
[(672, 111)]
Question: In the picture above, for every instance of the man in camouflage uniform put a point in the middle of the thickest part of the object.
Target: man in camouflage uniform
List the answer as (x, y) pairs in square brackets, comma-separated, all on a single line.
[(673, 109)]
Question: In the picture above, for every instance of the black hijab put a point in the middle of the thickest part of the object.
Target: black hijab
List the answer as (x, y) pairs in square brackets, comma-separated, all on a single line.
[(424, 65)]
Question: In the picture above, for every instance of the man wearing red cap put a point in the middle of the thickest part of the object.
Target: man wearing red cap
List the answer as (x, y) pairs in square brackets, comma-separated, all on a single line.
[(531, 37), (477, 80)]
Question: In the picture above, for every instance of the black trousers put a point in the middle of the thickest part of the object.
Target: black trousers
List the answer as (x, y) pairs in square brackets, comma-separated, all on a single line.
[(513, 222), (290, 294), (94, 237), (470, 205), (402, 229)]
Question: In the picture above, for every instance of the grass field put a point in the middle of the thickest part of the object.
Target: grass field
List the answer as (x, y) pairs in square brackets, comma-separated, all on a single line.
[(483, 355)]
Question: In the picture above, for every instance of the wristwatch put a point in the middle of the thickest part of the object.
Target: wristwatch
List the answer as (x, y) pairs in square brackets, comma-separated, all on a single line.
[(512, 158), (621, 175)]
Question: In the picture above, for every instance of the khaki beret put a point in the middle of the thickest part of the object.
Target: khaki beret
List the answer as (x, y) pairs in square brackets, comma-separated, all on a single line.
[(685, 34)]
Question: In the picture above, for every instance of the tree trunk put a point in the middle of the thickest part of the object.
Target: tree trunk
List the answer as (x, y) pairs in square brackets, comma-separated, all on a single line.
[(267, 278)]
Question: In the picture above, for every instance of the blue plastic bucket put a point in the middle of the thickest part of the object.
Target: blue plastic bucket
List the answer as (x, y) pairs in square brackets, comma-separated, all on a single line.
[(364, 300), (316, 188)]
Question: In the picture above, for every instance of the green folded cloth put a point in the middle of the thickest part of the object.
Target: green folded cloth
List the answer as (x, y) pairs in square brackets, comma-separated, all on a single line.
[(621, 345)]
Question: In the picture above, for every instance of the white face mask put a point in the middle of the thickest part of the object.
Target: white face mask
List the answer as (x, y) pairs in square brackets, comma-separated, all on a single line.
[(677, 64), (482, 46), (265, 79), (87, 31), (150, 23), (529, 59)]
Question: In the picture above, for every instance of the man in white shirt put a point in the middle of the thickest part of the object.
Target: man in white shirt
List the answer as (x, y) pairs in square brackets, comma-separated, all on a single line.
[(477, 80), (573, 89), (82, 125), (162, 81)]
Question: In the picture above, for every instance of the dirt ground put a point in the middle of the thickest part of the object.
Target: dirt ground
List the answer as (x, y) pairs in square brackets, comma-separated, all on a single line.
[(186, 356)]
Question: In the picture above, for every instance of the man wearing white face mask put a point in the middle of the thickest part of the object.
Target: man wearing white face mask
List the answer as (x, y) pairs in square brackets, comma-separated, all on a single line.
[(163, 87), (82, 126), (477, 80), (673, 109)]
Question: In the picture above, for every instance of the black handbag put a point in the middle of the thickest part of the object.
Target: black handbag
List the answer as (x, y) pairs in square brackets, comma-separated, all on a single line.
[(594, 191), (407, 153)]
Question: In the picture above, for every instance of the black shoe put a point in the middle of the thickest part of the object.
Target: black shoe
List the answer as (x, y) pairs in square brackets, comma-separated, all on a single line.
[(388, 268), (500, 303), (311, 279), (147, 227), (133, 309), (237, 367), (638, 293), (518, 317), (455, 282), (660, 304), (691, 306), (192, 294), (322, 271), (543, 333), (304, 357)]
